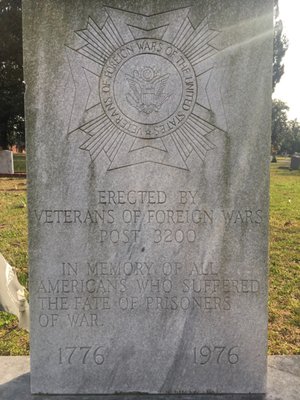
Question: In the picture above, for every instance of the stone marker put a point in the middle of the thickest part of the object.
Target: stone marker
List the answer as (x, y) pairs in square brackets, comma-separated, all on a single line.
[(148, 137), (295, 162), (6, 162)]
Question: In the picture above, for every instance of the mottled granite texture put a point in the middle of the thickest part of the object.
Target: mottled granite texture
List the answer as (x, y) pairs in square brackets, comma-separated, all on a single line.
[(283, 383), (148, 137)]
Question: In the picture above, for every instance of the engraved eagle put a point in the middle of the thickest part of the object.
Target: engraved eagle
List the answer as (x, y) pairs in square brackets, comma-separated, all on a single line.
[(147, 90)]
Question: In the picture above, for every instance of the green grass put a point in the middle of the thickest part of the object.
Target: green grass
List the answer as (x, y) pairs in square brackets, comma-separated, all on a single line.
[(284, 265), (13, 246), (20, 162), (13, 341), (284, 277)]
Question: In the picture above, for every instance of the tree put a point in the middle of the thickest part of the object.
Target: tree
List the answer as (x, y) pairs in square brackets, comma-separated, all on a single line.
[(291, 141), (11, 73), (279, 109), (280, 125), (280, 46)]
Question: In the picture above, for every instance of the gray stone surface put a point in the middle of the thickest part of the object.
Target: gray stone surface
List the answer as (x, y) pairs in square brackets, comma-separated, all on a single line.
[(295, 162), (148, 136), (6, 162), (283, 383)]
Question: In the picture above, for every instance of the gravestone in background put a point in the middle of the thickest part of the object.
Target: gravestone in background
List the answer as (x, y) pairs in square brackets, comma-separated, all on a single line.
[(6, 162), (295, 162), (148, 137)]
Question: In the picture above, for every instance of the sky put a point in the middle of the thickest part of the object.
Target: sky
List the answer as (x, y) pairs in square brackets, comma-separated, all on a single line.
[(288, 89)]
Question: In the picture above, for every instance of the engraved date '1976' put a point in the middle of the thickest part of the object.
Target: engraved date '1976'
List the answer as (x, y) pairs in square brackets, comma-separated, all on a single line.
[(215, 354)]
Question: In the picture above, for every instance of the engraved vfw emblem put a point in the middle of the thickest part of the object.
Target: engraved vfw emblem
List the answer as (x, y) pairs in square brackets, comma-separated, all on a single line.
[(142, 88), (147, 90)]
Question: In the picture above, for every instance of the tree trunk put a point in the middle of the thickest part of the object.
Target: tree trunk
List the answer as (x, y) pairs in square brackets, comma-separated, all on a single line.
[(3, 136)]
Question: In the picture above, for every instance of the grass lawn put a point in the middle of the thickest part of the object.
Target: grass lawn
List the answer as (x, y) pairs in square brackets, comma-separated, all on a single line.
[(13, 246), (284, 292), (284, 264)]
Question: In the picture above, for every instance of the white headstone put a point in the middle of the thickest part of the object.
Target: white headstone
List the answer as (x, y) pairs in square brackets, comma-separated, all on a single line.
[(6, 162)]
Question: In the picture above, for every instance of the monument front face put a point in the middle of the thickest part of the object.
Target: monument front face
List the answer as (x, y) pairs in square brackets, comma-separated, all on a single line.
[(148, 145)]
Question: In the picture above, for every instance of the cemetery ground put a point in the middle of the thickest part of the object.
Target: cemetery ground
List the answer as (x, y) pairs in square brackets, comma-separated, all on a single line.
[(284, 262)]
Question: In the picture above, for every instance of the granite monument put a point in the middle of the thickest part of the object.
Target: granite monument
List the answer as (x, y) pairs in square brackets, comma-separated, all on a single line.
[(148, 138)]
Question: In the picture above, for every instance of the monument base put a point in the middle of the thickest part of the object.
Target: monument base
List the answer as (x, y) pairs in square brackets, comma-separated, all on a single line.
[(283, 384)]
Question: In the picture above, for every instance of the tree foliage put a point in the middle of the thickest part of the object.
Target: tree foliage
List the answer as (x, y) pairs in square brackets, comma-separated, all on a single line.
[(291, 142), (280, 46), (285, 133), (11, 74), (280, 124)]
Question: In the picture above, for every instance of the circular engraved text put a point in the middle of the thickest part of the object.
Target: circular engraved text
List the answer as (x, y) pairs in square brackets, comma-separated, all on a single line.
[(148, 88)]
